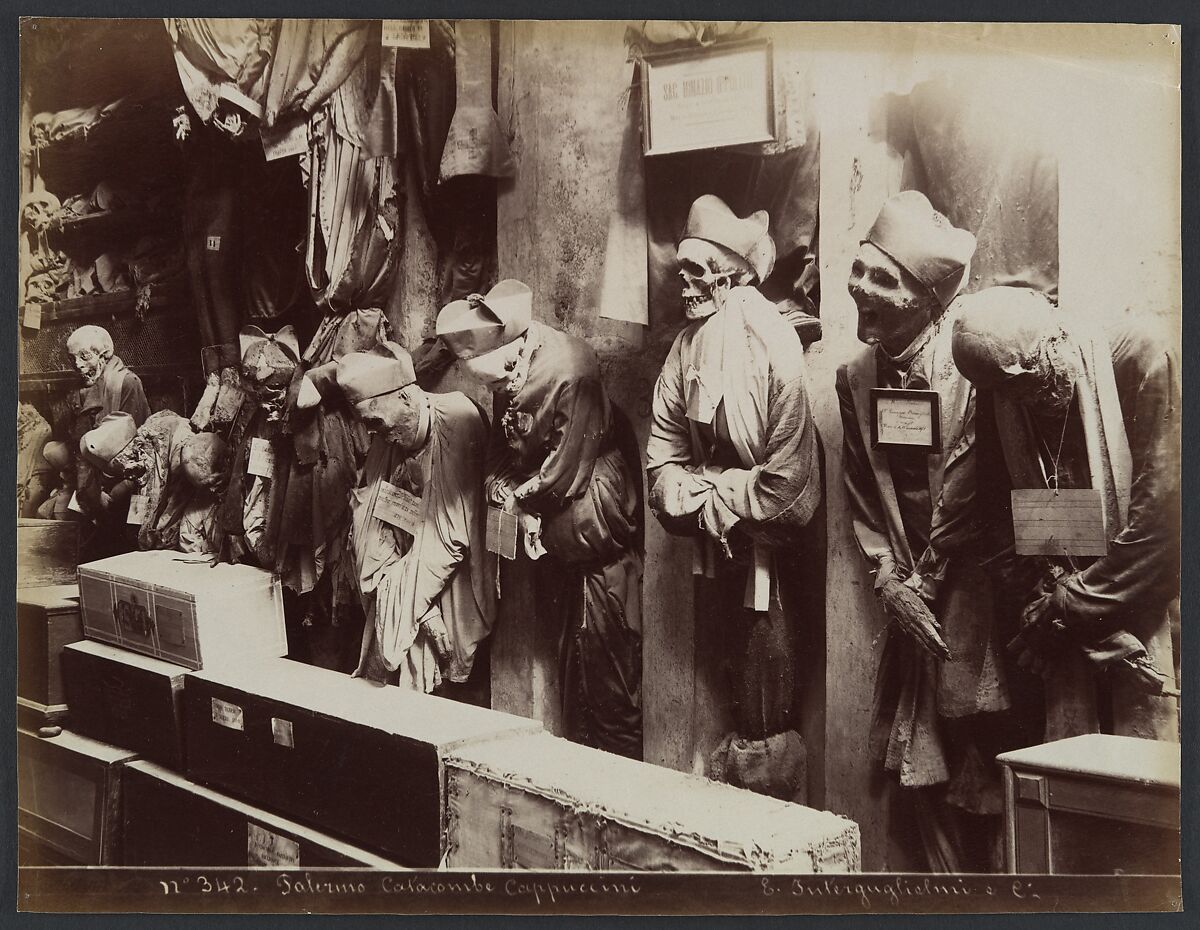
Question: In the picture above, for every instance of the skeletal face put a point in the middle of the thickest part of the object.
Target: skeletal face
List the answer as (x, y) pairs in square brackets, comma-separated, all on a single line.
[(708, 272), (271, 401), (893, 306), (396, 415), (89, 360), (39, 129), (37, 215), (135, 460)]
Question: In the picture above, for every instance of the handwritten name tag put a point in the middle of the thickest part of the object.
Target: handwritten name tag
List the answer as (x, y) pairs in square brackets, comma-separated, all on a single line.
[(398, 507), (265, 848), (261, 461), (33, 316), (227, 715), (502, 531), (906, 418), (1069, 521), (406, 33), (137, 509)]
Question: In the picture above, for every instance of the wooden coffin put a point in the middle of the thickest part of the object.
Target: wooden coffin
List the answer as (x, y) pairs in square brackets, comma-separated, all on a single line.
[(183, 609), (359, 760), (69, 796), (47, 620), (47, 552), (534, 801), (170, 821), (126, 698)]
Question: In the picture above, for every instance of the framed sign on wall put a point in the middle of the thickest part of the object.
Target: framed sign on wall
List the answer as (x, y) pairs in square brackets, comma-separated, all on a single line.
[(706, 98)]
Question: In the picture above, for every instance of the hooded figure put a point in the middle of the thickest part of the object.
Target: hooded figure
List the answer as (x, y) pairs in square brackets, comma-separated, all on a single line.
[(563, 458), (1071, 408), (421, 570), (734, 461), (941, 682)]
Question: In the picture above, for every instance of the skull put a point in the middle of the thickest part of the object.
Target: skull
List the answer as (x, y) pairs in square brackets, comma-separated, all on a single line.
[(90, 348), (708, 271), (38, 211), (136, 460), (268, 368), (39, 129)]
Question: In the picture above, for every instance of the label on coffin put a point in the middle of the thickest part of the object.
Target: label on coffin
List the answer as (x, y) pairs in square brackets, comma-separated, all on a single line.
[(281, 732), (265, 848), (227, 715), (1066, 521), (398, 507)]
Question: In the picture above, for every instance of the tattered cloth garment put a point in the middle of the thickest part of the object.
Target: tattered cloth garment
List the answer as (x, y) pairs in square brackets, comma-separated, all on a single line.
[(223, 60), (440, 570), (171, 500), (912, 512), (33, 432), (1122, 438), (561, 427)]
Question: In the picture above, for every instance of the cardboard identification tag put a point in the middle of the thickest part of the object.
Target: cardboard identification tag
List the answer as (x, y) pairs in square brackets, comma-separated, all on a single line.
[(264, 848), (502, 531), (137, 509), (398, 507), (406, 33), (33, 316), (292, 140), (261, 461), (227, 715), (906, 418), (281, 732), (1067, 521), (73, 503)]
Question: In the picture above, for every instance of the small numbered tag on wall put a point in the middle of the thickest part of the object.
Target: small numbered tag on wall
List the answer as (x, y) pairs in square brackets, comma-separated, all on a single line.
[(1058, 522)]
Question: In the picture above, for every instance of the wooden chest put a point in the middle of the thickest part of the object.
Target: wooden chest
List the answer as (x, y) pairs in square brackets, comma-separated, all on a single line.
[(534, 801), (170, 821), (47, 620), (183, 609), (359, 760), (47, 552), (1096, 804), (69, 796), (126, 698)]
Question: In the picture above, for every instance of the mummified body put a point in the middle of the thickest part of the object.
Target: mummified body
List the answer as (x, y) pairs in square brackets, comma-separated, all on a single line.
[(733, 460)]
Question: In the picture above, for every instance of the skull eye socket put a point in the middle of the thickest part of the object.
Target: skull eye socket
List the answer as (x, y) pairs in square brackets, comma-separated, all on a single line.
[(690, 267)]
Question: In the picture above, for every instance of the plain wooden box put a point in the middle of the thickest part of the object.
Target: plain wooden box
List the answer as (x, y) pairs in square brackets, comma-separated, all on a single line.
[(182, 608), (1093, 804), (126, 698), (47, 552), (349, 757), (535, 801), (170, 821), (69, 796), (47, 621)]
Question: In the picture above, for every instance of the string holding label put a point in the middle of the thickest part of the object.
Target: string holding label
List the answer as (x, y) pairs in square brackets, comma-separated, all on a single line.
[(502, 531)]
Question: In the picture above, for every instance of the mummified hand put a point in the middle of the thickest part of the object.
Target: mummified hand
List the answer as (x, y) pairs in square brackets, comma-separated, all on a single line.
[(906, 608)]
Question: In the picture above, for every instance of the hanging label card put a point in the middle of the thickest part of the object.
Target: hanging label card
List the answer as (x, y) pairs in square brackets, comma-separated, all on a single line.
[(291, 140), (33, 316), (906, 418), (398, 507), (214, 243), (270, 849), (406, 33), (502, 531), (73, 503), (1069, 521), (261, 461), (137, 509), (281, 732), (227, 715)]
